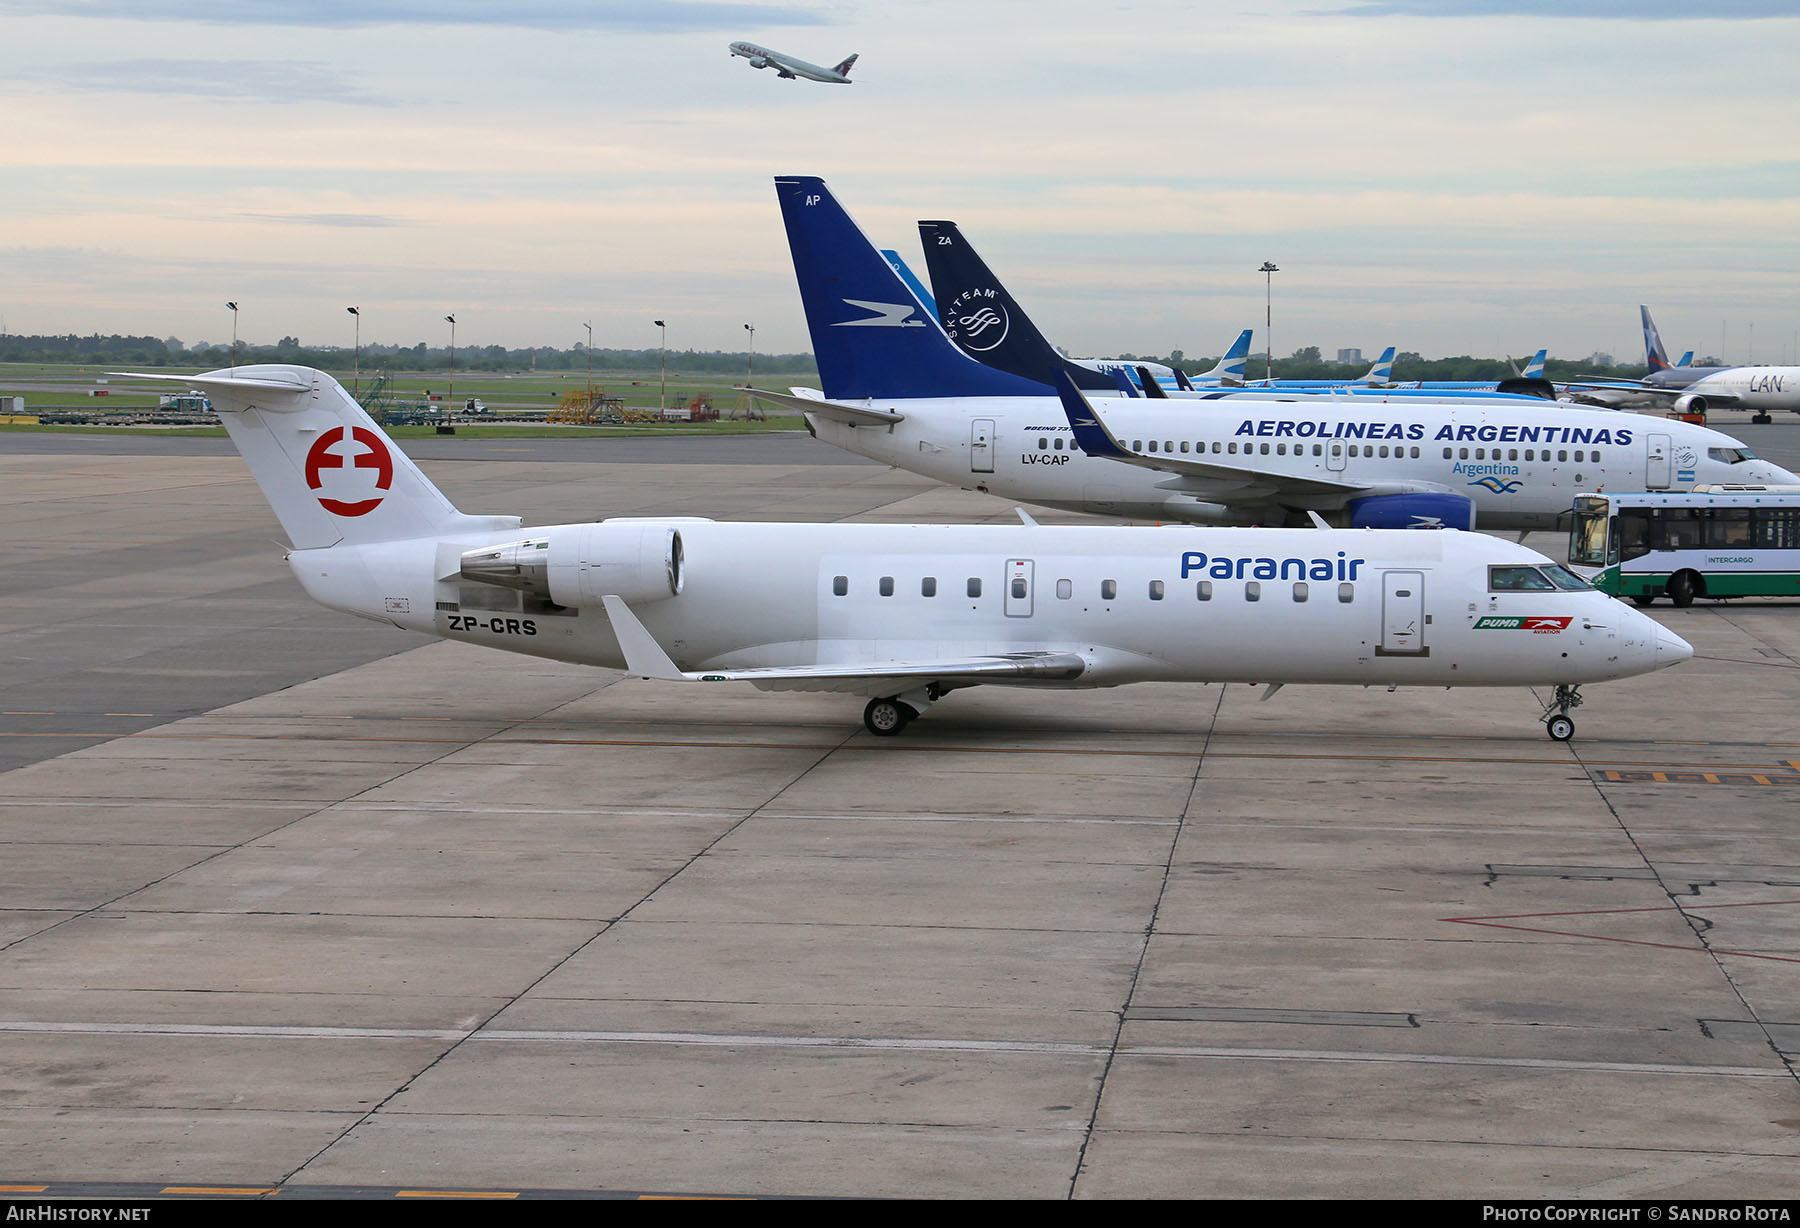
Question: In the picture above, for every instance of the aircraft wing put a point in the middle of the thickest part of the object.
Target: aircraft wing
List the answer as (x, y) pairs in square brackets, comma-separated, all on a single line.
[(1613, 395), (646, 658), (1212, 480), (855, 415)]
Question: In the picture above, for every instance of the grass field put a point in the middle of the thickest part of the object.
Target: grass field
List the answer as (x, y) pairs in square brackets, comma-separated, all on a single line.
[(54, 388)]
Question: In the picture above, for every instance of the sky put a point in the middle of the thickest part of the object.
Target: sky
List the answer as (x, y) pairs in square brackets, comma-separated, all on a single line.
[(1447, 176)]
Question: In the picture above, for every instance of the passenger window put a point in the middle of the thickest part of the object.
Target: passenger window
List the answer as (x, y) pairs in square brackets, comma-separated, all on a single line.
[(1137, 445), (1384, 449), (1156, 590), (840, 585), (1042, 443), (1281, 449), (1203, 590), (928, 586), (1184, 445), (1252, 591), (1058, 444), (1447, 452), (1512, 454), (1265, 449), (1300, 590), (974, 589), (1415, 454), (1463, 454), (1318, 449), (1064, 590), (1153, 445), (1109, 589), (887, 586), (1232, 448), (1346, 592), (1562, 454)]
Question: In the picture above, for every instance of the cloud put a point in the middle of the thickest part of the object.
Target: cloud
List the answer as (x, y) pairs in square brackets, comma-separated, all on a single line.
[(328, 219), (1637, 10), (618, 16), (279, 81)]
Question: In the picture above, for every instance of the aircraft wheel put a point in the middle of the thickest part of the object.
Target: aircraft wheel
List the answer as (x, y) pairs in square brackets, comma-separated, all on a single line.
[(1681, 588), (1761, 419), (1559, 727), (1643, 600), (887, 717)]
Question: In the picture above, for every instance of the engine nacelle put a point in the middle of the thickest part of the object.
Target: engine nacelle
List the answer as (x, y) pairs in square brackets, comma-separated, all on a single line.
[(1418, 510), (1690, 403), (577, 564), (758, 62)]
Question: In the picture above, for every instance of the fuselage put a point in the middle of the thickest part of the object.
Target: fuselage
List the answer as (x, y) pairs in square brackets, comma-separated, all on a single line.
[(1521, 465), (1180, 603)]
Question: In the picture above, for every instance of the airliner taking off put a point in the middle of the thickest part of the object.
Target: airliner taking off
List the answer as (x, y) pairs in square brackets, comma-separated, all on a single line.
[(896, 389), (790, 68), (904, 614)]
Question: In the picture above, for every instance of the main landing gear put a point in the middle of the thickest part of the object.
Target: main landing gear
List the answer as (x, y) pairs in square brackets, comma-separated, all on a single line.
[(1556, 717), (887, 716)]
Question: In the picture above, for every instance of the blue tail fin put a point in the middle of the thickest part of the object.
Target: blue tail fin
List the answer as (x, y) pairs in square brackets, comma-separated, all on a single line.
[(1686, 360), (1230, 369), (1534, 369), (982, 318), (1655, 357), (869, 333), (1383, 370)]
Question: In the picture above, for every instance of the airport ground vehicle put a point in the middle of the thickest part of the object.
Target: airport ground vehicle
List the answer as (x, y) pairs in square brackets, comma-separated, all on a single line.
[(1712, 541)]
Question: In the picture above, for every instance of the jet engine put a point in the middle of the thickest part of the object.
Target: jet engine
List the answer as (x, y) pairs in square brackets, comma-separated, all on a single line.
[(1416, 510), (758, 62), (1690, 403), (577, 564)]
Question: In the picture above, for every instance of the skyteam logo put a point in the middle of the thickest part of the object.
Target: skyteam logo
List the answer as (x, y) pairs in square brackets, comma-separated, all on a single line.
[(1498, 485), (977, 320), (887, 315)]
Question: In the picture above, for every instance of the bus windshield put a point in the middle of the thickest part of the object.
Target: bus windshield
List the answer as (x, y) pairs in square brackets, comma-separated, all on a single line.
[(1587, 537)]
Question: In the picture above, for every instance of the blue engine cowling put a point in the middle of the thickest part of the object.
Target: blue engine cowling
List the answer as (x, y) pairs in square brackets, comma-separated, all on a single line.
[(1425, 510)]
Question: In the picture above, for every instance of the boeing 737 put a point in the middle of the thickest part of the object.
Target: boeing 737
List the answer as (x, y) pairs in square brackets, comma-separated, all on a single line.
[(904, 614), (788, 67), (897, 390), (1689, 389)]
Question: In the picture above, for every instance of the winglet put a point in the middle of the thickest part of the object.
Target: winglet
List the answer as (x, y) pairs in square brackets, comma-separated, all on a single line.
[(643, 655), (1091, 434)]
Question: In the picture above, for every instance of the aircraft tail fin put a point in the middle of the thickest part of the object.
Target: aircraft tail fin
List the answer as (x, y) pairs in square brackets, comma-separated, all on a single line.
[(869, 333), (330, 473), (983, 319), (1686, 360), (1383, 370), (1655, 357), (843, 69), (1534, 368), (1230, 369)]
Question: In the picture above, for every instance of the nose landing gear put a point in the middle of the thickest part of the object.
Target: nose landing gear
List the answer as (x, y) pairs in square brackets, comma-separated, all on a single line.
[(1556, 717)]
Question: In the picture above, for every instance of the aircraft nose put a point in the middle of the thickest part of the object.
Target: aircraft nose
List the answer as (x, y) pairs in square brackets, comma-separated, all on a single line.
[(1671, 649)]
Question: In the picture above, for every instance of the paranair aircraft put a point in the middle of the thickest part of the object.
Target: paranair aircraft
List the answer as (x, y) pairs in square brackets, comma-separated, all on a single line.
[(904, 614), (896, 389)]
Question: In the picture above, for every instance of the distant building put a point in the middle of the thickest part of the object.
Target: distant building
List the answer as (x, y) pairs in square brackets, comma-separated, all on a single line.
[(1600, 359), (1352, 356)]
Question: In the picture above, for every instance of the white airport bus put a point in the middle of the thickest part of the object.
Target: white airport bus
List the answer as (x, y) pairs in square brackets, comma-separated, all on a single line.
[(1711, 541)]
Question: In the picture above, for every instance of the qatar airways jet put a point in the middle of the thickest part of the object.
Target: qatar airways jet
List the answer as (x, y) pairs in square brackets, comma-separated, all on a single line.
[(788, 67)]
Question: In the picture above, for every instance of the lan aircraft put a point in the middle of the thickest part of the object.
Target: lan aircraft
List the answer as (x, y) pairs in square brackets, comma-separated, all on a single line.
[(896, 389), (1690, 389), (907, 613), (790, 68)]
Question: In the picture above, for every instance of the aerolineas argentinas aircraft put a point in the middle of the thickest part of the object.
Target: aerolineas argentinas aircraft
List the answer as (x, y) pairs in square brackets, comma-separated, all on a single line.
[(787, 66), (906, 613), (896, 389)]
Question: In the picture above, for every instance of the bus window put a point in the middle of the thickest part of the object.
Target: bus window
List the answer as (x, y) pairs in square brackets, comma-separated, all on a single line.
[(1631, 538), (1673, 528), (1587, 539), (1727, 528), (1776, 528)]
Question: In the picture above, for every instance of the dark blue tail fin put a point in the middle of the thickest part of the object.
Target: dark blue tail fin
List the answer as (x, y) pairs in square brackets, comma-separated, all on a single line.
[(982, 318), (1655, 357), (869, 333)]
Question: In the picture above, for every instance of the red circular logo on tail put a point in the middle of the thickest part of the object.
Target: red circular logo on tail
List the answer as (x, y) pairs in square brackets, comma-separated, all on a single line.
[(376, 457)]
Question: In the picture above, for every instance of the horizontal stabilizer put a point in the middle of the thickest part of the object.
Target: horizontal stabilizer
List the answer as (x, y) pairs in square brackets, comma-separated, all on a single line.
[(855, 415)]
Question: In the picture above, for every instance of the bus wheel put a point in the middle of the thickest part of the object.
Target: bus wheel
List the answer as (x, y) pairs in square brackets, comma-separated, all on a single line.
[(1681, 588), (1641, 600)]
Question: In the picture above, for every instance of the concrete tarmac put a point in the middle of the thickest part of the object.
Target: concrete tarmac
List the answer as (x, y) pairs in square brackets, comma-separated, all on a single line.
[(292, 902)]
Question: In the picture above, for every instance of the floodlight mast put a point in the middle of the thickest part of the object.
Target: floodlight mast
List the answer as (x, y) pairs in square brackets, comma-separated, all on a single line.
[(1268, 271)]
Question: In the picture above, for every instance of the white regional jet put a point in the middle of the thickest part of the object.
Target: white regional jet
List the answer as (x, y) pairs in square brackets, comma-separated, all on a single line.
[(787, 66), (906, 613), (896, 389)]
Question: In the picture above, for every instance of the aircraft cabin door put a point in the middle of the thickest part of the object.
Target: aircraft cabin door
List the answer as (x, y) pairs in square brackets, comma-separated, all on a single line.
[(1657, 469), (1018, 588), (1334, 456), (981, 446), (1403, 614)]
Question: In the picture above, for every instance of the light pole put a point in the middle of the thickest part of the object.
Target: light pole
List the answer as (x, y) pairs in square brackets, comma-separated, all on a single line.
[(750, 367), (233, 307), (589, 325), (1268, 271), (663, 347), (358, 391), (450, 407)]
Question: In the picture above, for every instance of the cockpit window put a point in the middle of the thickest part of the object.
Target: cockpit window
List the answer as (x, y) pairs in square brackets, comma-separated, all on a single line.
[(1564, 579), (1730, 456), (1517, 580)]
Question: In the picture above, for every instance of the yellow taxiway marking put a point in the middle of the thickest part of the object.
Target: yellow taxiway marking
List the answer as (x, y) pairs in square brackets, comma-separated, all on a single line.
[(219, 1189), (23, 1189)]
